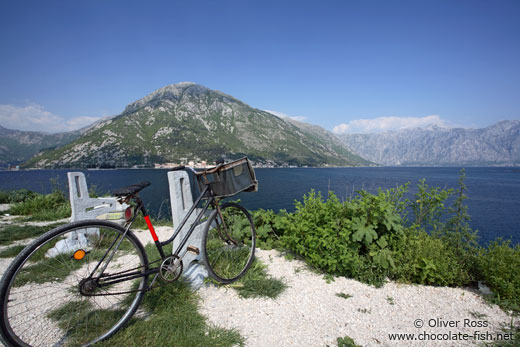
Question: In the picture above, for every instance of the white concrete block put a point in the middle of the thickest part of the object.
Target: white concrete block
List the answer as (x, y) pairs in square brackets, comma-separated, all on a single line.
[(181, 201)]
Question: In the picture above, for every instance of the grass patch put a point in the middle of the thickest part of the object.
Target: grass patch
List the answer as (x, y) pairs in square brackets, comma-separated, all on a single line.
[(174, 322), (43, 207), (11, 252), (257, 283), (46, 270), (82, 313), (11, 233)]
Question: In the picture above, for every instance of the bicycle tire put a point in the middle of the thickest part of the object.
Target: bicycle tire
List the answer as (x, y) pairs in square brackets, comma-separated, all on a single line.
[(229, 247), (42, 293)]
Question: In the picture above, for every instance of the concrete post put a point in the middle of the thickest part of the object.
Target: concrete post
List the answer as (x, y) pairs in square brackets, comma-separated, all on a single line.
[(181, 200), (84, 207)]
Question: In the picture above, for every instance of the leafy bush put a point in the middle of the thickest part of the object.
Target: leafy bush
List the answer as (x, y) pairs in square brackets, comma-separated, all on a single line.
[(423, 259), (269, 228), (499, 266), (364, 238), (352, 239)]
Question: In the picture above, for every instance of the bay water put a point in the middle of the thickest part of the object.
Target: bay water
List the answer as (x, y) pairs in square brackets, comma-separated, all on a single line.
[(493, 193)]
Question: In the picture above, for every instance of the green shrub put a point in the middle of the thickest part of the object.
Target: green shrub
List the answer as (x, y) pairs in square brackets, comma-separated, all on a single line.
[(499, 266), (423, 259), (269, 228), (352, 239), (4, 197), (428, 206), (43, 207), (14, 196)]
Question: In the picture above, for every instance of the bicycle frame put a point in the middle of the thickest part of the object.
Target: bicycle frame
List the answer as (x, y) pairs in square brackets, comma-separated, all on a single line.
[(178, 229), (129, 275)]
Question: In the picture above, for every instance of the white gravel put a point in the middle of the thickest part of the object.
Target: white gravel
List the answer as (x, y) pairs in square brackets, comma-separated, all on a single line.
[(309, 312)]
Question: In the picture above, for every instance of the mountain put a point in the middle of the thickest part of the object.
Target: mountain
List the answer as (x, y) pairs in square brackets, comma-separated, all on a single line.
[(496, 145), (187, 121), (18, 146)]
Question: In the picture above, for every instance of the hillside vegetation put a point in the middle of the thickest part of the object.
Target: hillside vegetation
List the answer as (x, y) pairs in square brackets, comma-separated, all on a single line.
[(186, 121)]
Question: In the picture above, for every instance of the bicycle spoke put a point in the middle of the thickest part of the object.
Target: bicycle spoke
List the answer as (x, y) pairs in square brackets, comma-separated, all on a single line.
[(70, 308), (229, 241)]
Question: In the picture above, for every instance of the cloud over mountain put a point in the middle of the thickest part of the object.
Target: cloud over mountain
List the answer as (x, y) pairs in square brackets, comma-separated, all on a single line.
[(381, 124), (34, 117)]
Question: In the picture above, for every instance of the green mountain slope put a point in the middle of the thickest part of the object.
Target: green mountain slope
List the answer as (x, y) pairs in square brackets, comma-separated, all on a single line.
[(18, 146), (191, 122)]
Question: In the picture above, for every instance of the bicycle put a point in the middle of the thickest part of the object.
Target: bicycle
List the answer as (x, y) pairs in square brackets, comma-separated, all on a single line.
[(80, 283)]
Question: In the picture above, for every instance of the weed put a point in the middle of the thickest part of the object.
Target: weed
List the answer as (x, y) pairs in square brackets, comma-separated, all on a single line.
[(344, 295), (346, 342), (477, 315), (390, 300)]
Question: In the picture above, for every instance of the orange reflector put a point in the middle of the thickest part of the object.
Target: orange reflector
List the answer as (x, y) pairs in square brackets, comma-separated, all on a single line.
[(79, 254)]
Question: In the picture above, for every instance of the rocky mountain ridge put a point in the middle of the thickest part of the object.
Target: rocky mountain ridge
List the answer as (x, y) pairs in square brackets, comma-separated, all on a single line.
[(187, 121), (495, 145)]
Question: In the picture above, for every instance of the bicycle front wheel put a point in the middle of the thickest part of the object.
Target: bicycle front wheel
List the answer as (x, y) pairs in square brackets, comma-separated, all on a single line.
[(64, 289), (229, 243)]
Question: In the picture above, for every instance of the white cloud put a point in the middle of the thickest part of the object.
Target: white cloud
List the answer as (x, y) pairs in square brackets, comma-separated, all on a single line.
[(283, 115), (380, 124), (35, 118)]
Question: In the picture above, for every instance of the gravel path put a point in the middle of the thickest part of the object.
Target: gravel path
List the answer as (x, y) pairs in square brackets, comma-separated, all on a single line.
[(310, 313)]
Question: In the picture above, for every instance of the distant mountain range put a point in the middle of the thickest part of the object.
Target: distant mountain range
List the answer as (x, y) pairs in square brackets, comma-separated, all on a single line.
[(187, 121), (496, 145), (18, 146)]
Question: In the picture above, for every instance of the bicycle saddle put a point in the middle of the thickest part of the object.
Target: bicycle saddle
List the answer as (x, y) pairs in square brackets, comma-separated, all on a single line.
[(131, 189)]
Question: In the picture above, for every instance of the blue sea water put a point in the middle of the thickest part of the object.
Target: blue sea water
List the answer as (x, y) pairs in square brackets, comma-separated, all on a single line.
[(493, 193)]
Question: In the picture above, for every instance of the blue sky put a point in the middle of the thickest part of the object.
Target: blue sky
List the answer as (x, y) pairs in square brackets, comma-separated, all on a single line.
[(344, 65)]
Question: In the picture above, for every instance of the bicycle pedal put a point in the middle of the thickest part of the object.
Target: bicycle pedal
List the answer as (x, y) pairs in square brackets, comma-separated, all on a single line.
[(193, 249)]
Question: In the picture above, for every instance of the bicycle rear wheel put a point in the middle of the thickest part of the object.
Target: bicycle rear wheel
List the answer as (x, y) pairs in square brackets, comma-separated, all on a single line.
[(229, 243), (57, 290)]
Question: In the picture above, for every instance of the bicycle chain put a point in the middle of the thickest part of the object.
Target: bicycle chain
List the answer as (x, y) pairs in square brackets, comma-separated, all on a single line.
[(147, 289)]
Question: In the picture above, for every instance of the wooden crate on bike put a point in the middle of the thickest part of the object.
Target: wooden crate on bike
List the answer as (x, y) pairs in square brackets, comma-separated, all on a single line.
[(233, 178)]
